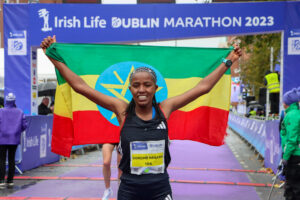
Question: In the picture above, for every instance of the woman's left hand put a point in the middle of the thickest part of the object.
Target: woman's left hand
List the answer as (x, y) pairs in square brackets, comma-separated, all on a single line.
[(235, 54)]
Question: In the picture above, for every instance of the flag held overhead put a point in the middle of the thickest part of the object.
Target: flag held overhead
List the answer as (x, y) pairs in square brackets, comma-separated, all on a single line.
[(107, 68)]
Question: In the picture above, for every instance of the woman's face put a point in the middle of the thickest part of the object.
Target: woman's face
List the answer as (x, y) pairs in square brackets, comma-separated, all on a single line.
[(142, 88)]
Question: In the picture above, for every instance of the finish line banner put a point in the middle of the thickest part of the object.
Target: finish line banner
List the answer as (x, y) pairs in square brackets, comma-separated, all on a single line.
[(84, 23)]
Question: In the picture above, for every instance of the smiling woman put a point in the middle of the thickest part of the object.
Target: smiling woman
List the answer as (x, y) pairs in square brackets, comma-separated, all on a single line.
[(143, 87), (144, 128)]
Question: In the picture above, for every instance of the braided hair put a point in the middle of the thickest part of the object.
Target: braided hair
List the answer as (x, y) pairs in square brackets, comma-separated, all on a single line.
[(144, 69), (131, 107)]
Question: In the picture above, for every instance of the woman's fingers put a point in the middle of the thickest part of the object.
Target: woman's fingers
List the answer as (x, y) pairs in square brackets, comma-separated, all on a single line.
[(237, 50), (46, 42)]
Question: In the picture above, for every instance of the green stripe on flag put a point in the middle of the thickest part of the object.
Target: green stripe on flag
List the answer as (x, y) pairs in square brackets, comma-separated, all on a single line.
[(171, 62)]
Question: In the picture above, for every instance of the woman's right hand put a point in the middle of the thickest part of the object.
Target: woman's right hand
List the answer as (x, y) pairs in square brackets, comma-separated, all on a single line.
[(47, 42)]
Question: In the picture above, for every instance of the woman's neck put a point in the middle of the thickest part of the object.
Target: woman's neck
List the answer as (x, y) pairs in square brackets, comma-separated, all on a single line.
[(145, 113)]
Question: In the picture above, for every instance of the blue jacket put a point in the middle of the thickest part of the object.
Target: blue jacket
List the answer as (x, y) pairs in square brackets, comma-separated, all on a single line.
[(12, 124)]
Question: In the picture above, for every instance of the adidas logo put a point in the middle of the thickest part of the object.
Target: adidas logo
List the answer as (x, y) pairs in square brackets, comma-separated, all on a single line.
[(161, 126), (168, 197)]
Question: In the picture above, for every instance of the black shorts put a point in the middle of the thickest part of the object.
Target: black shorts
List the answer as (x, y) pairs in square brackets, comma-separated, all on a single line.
[(142, 191)]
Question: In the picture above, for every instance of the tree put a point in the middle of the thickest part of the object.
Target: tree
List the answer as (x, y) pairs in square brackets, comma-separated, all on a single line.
[(256, 61)]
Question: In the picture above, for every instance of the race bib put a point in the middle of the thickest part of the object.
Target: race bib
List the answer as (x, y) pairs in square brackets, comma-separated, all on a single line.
[(147, 157)]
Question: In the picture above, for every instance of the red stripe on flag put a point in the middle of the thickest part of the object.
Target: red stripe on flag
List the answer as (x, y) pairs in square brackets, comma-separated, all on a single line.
[(90, 127), (62, 135), (204, 124)]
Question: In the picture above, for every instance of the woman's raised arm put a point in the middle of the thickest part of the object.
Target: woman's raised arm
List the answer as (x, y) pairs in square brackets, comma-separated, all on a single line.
[(111, 103), (203, 87)]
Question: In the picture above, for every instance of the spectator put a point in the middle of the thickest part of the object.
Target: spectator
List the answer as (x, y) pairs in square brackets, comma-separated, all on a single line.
[(13, 123), (43, 107), (271, 80), (290, 139)]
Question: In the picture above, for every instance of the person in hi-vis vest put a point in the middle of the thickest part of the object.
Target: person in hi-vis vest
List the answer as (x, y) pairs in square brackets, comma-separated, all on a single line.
[(271, 80)]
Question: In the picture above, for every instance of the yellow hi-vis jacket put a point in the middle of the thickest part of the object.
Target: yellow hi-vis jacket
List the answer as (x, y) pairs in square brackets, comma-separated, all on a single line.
[(273, 83)]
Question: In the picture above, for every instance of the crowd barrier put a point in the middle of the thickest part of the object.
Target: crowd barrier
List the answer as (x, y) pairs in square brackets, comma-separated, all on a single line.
[(263, 135), (35, 147)]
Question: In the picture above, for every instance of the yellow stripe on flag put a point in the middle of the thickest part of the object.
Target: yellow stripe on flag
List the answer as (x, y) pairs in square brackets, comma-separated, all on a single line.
[(63, 102), (212, 99), (80, 102), (175, 87)]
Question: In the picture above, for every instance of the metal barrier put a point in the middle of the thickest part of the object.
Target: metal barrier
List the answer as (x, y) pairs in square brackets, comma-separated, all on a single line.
[(262, 135), (35, 148)]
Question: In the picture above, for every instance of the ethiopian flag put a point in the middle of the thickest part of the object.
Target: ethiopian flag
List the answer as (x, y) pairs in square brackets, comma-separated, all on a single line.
[(107, 68)]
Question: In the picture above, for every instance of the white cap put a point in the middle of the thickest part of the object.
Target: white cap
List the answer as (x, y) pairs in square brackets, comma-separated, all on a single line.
[(10, 97)]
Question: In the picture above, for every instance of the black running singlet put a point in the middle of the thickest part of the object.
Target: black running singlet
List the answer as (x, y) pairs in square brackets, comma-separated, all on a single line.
[(144, 147)]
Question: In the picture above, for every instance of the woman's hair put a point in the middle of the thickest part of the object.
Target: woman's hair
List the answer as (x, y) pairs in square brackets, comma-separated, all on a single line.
[(144, 69), (131, 107)]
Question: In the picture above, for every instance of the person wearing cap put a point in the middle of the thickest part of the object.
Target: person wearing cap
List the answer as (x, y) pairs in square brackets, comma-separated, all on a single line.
[(12, 124), (290, 139)]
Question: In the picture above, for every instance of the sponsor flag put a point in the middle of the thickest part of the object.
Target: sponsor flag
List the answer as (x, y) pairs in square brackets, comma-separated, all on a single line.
[(107, 68)]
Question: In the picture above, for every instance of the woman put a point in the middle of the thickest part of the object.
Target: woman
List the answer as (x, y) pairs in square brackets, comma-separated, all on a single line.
[(12, 124), (144, 133), (290, 142)]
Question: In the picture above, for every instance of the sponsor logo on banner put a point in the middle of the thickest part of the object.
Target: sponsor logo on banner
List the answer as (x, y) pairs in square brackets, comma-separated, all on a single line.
[(294, 42), (43, 146), (273, 147), (30, 142), (49, 136), (44, 14), (295, 33), (73, 21), (24, 141), (16, 43), (294, 46), (43, 140)]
